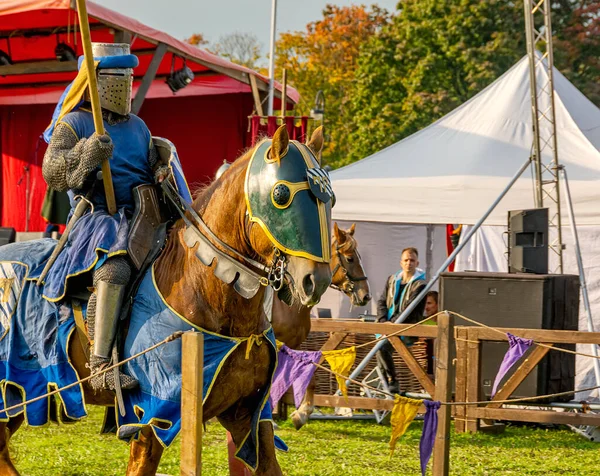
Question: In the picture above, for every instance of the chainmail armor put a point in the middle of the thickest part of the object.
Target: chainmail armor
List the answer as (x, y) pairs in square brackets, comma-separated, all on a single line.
[(115, 270), (107, 379), (153, 157), (68, 162)]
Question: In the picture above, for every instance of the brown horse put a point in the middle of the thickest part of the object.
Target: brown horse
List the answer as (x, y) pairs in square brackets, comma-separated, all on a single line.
[(292, 323), (192, 290)]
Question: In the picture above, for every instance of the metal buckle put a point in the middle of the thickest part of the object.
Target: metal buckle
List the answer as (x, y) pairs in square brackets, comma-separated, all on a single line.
[(277, 271)]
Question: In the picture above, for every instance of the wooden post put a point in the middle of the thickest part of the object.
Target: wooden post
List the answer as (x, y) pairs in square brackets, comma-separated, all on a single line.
[(236, 467), (473, 378), (159, 54), (86, 41), (192, 365), (461, 379), (284, 96), (255, 94), (443, 392)]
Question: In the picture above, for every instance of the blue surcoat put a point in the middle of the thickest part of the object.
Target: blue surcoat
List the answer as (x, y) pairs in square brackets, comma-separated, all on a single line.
[(98, 235), (129, 165)]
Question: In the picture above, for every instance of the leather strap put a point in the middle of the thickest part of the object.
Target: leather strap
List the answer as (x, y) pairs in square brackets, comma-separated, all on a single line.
[(81, 330)]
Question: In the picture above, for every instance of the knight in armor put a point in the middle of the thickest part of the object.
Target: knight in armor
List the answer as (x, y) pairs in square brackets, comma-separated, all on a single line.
[(98, 241)]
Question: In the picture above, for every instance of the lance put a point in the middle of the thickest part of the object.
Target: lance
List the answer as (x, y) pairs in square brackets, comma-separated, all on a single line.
[(86, 41)]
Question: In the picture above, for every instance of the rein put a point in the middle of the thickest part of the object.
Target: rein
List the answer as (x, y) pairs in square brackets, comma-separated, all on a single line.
[(273, 275), (349, 280)]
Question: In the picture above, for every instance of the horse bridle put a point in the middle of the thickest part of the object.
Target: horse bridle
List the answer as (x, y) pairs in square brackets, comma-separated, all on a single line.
[(273, 275), (349, 281)]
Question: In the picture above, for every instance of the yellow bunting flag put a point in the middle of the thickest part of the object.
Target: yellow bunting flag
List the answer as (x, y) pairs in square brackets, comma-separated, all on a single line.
[(404, 412), (341, 361)]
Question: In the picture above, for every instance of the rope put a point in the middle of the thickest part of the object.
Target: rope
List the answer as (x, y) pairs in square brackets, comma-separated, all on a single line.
[(400, 331), (516, 400), (524, 399), (567, 351), (172, 337), (356, 382)]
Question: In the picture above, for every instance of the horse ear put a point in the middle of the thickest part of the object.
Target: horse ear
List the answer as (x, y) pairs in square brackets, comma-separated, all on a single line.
[(280, 143), (351, 230), (337, 233), (316, 142)]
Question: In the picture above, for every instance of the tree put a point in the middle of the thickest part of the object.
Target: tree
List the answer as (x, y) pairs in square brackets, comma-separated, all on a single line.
[(436, 54), (577, 46), (324, 57), (240, 48), (433, 56), (197, 39)]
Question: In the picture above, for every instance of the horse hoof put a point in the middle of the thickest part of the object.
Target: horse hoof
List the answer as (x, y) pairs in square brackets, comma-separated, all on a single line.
[(298, 420)]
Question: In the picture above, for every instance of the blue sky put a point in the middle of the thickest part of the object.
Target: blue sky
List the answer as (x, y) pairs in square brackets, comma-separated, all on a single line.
[(213, 18)]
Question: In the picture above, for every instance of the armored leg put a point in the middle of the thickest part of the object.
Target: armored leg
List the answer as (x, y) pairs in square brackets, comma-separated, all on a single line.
[(103, 311), (385, 362)]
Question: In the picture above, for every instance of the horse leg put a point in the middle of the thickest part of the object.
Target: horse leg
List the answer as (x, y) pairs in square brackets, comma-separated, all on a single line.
[(7, 429), (238, 424), (301, 415), (144, 454)]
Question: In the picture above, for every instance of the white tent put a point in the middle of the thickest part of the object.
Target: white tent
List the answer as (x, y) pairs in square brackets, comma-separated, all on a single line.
[(452, 171)]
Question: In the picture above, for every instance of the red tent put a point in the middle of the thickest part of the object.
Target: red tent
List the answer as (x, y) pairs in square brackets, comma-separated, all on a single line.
[(207, 120)]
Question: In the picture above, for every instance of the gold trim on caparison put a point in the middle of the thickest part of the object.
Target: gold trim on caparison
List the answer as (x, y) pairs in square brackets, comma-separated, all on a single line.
[(294, 189)]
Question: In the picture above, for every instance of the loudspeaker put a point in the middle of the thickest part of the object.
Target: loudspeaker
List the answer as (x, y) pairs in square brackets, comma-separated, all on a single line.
[(519, 301), (7, 235), (528, 241)]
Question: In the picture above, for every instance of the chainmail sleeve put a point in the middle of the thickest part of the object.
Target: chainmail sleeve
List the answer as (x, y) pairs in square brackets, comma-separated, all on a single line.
[(159, 168), (68, 161)]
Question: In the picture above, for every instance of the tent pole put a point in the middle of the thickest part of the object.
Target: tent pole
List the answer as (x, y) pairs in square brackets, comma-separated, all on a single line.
[(449, 260), (584, 291)]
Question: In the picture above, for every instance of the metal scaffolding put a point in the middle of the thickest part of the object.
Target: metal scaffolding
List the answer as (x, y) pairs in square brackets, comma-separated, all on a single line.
[(539, 50)]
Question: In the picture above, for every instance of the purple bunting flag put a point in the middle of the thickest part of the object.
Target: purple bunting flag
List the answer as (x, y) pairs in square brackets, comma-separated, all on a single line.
[(430, 424), (294, 367), (518, 347)]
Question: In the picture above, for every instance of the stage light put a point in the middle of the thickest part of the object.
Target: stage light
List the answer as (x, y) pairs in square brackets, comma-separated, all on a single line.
[(181, 78), (64, 52), (5, 59)]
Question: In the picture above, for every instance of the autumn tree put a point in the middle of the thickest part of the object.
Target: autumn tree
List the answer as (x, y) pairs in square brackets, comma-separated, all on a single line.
[(197, 39), (436, 54), (577, 45), (324, 57), (433, 56)]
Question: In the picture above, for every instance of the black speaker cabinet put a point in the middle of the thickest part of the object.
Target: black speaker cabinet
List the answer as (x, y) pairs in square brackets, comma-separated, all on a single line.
[(519, 301), (528, 241), (7, 235)]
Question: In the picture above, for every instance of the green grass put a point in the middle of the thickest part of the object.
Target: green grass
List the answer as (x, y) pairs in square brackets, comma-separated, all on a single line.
[(321, 448)]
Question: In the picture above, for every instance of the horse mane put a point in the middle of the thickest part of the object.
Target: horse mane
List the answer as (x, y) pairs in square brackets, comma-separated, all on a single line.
[(173, 254)]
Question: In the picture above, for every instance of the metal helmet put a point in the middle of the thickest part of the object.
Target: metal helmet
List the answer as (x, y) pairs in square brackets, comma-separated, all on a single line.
[(291, 199), (114, 85), (224, 166)]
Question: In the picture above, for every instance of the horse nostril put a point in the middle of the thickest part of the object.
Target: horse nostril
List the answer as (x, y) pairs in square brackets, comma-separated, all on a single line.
[(308, 284), (367, 297)]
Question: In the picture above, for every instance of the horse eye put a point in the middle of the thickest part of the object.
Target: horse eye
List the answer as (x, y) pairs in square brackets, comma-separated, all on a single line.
[(350, 259)]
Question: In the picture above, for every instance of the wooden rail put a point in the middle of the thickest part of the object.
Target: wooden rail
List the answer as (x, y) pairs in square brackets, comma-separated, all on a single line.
[(468, 378)]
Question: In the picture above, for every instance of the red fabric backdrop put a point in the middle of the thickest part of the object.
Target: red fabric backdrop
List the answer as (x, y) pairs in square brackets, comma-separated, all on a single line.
[(20, 128), (205, 129)]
